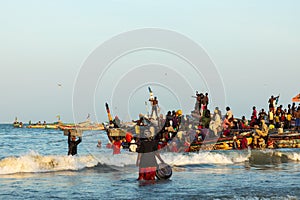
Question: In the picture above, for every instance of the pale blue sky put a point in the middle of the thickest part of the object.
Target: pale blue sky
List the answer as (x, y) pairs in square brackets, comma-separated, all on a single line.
[(254, 44)]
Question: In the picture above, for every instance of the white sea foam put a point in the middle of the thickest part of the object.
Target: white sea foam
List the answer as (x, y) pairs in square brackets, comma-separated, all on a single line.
[(176, 159), (295, 156), (205, 158), (33, 162), (119, 160)]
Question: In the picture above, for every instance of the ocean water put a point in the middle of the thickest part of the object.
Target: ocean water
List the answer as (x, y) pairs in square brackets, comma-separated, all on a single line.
[(34, 165)]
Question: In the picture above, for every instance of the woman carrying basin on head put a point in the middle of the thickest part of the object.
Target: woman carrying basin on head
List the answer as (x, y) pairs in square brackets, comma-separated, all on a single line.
[(146, 160)]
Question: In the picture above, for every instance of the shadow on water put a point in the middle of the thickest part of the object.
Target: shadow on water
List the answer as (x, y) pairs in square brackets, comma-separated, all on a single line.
[(153, 182), (100, 168), (25, 175)]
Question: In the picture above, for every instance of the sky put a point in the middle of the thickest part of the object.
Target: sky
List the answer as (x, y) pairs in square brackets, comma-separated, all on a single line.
[(254, 46)]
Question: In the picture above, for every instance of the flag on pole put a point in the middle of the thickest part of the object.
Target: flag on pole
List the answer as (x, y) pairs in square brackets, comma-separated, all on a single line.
[(296, 98)]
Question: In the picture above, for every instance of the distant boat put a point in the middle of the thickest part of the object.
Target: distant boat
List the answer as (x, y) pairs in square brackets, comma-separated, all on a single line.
[(17, 124), (36, 126), (45, 125), (83, 126)]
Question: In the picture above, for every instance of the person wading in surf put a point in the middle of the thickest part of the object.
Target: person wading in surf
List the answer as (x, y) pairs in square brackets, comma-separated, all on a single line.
[(146, 160), (72, 143)]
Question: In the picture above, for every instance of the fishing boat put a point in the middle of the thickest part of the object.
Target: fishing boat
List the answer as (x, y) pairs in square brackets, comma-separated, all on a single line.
[(17, 124), (275, 140), (83, 126), (44, 125), (36, 126), (134, 130)]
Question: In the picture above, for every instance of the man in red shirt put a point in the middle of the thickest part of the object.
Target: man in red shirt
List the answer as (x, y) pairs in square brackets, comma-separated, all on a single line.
[(116, 146)]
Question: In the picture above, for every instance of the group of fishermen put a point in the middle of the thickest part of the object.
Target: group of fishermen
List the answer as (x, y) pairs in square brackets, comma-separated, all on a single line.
[(156, 132)]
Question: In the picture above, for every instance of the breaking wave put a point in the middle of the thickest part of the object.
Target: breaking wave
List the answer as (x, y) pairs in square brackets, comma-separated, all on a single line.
[(34, 162)]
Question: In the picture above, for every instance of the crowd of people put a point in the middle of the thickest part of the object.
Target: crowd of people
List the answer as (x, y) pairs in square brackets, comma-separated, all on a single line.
[(176, 132), (201, 124)]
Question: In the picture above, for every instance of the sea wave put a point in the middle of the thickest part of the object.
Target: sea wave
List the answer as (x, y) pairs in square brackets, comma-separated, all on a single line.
[(34, 162), (207, 157)]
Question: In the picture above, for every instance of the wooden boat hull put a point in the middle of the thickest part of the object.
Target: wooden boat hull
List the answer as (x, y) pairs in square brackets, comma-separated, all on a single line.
[(275, 141), (87, 128), (36, 126)]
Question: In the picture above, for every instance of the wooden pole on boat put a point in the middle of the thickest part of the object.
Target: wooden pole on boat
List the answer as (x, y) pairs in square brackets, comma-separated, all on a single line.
[(108, 112)]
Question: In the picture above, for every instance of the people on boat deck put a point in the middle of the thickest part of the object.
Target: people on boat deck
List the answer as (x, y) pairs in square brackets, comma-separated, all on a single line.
[(146, 159), (133, 145), (201, 102), (203, 124), (154, 103), (73, 143), (142, 121), (168, 120), (117, 122), (196, 107), (229, 113), (236, 143), (216, 123), (277, 120), (128, 137), (262, 114), (226, 125), (254, 113), (272, 102), (161, 120), (244, 143), (112, 124), (244, 123), (297, 117), (206, 100), (289, 117), (293, 108), (261, 136), (206, 118), (253, 121)]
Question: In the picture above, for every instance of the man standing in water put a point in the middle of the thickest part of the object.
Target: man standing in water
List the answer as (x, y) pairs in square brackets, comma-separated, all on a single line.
[(146, 160), (72, 143)]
